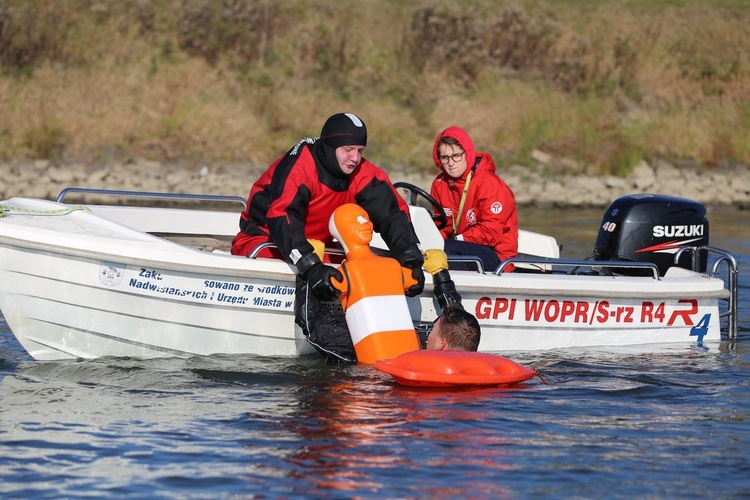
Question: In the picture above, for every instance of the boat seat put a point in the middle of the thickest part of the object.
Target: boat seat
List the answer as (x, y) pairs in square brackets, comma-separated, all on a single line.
[(427, 232)]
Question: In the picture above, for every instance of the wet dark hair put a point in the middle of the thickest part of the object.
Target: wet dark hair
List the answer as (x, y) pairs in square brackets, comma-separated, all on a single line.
[(459, 328), (450, 140)]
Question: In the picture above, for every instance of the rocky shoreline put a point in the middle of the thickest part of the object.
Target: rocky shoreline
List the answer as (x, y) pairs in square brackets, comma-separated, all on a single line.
[(532, 187)]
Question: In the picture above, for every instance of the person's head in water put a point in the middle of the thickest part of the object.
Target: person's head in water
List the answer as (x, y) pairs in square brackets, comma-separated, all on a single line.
[(454, 330), (342, 141)]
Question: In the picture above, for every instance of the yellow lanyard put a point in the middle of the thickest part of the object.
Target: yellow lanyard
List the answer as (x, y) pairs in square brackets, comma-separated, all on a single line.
[(457, 217)]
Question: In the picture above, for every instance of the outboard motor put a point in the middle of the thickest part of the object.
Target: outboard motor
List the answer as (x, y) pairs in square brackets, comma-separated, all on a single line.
[(651, 228)]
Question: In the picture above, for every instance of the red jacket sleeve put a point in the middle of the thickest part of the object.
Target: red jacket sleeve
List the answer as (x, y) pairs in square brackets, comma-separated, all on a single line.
[(495, 210)]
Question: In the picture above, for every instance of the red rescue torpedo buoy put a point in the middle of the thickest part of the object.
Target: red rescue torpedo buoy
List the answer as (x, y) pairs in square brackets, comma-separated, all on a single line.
[(372, 293), (454, 368)]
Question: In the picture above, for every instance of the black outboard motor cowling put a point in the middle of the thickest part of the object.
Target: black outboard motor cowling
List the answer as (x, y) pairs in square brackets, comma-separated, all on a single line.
[(651, 228)]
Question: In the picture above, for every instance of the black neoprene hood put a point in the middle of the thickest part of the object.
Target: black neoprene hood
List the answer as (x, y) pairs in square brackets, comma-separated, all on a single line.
[(344, 129)]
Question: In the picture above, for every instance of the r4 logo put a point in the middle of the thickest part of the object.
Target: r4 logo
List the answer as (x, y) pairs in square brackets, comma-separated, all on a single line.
[(700, 330)]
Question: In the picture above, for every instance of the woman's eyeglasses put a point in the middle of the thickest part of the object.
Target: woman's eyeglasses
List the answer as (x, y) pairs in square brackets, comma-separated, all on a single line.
[(456, 157)]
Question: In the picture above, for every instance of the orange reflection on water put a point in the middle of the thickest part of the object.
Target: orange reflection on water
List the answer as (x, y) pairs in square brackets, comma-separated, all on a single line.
[(359, 426)]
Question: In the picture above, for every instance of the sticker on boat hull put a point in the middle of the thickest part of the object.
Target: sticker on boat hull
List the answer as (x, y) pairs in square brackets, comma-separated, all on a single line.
[(197, 288), (669, 313), (111, 274)]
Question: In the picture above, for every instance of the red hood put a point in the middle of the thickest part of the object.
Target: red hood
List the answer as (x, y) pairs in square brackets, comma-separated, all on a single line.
[(464, 140)]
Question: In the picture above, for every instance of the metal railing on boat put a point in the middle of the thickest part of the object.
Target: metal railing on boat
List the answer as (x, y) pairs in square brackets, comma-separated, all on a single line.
[(263, 246), (152, 194), (578, 263), (732, 279)]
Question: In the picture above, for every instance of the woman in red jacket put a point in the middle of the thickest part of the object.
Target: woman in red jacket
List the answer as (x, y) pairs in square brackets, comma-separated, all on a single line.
[(481, 208)]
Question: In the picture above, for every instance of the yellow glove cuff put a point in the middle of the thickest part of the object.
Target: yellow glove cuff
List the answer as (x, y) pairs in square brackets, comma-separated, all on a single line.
[(318, 247), (435, 260)]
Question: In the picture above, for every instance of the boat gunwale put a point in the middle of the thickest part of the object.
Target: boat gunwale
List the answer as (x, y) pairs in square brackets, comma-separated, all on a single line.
[(187, 267), (468, 287)]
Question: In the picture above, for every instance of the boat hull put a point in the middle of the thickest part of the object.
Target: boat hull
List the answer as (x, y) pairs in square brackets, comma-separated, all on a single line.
[(59, 306), (82, 284), (63, 307), (538, 312)]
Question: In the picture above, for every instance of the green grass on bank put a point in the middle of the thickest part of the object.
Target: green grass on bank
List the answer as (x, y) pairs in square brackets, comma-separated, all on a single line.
[(600, 84)]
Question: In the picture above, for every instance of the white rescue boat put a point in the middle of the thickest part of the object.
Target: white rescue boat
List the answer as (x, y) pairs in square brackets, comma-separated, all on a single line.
[(152, 280)]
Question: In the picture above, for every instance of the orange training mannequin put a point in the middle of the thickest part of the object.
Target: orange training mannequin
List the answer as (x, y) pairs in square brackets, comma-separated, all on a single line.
[(372, 293)]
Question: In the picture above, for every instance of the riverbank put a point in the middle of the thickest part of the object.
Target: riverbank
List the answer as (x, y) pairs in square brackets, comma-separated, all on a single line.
[(602, 83), (532, 186)]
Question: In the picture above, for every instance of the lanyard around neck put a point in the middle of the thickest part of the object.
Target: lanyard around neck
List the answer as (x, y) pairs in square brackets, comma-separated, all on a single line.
[(457, 217)]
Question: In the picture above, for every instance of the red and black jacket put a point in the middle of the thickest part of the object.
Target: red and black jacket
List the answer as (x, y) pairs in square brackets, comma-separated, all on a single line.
[(293, 201)]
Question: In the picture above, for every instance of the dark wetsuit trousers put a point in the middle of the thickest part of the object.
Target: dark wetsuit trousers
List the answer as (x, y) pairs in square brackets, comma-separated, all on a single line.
[(487, 255), (324, 325)]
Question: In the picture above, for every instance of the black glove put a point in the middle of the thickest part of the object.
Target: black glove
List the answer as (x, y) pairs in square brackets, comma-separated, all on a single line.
[(417, 274), (445, 289), (319, 278)]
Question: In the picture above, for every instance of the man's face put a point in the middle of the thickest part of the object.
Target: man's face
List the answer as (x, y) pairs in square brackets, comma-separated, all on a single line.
[(435, 340), (349, 158)]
